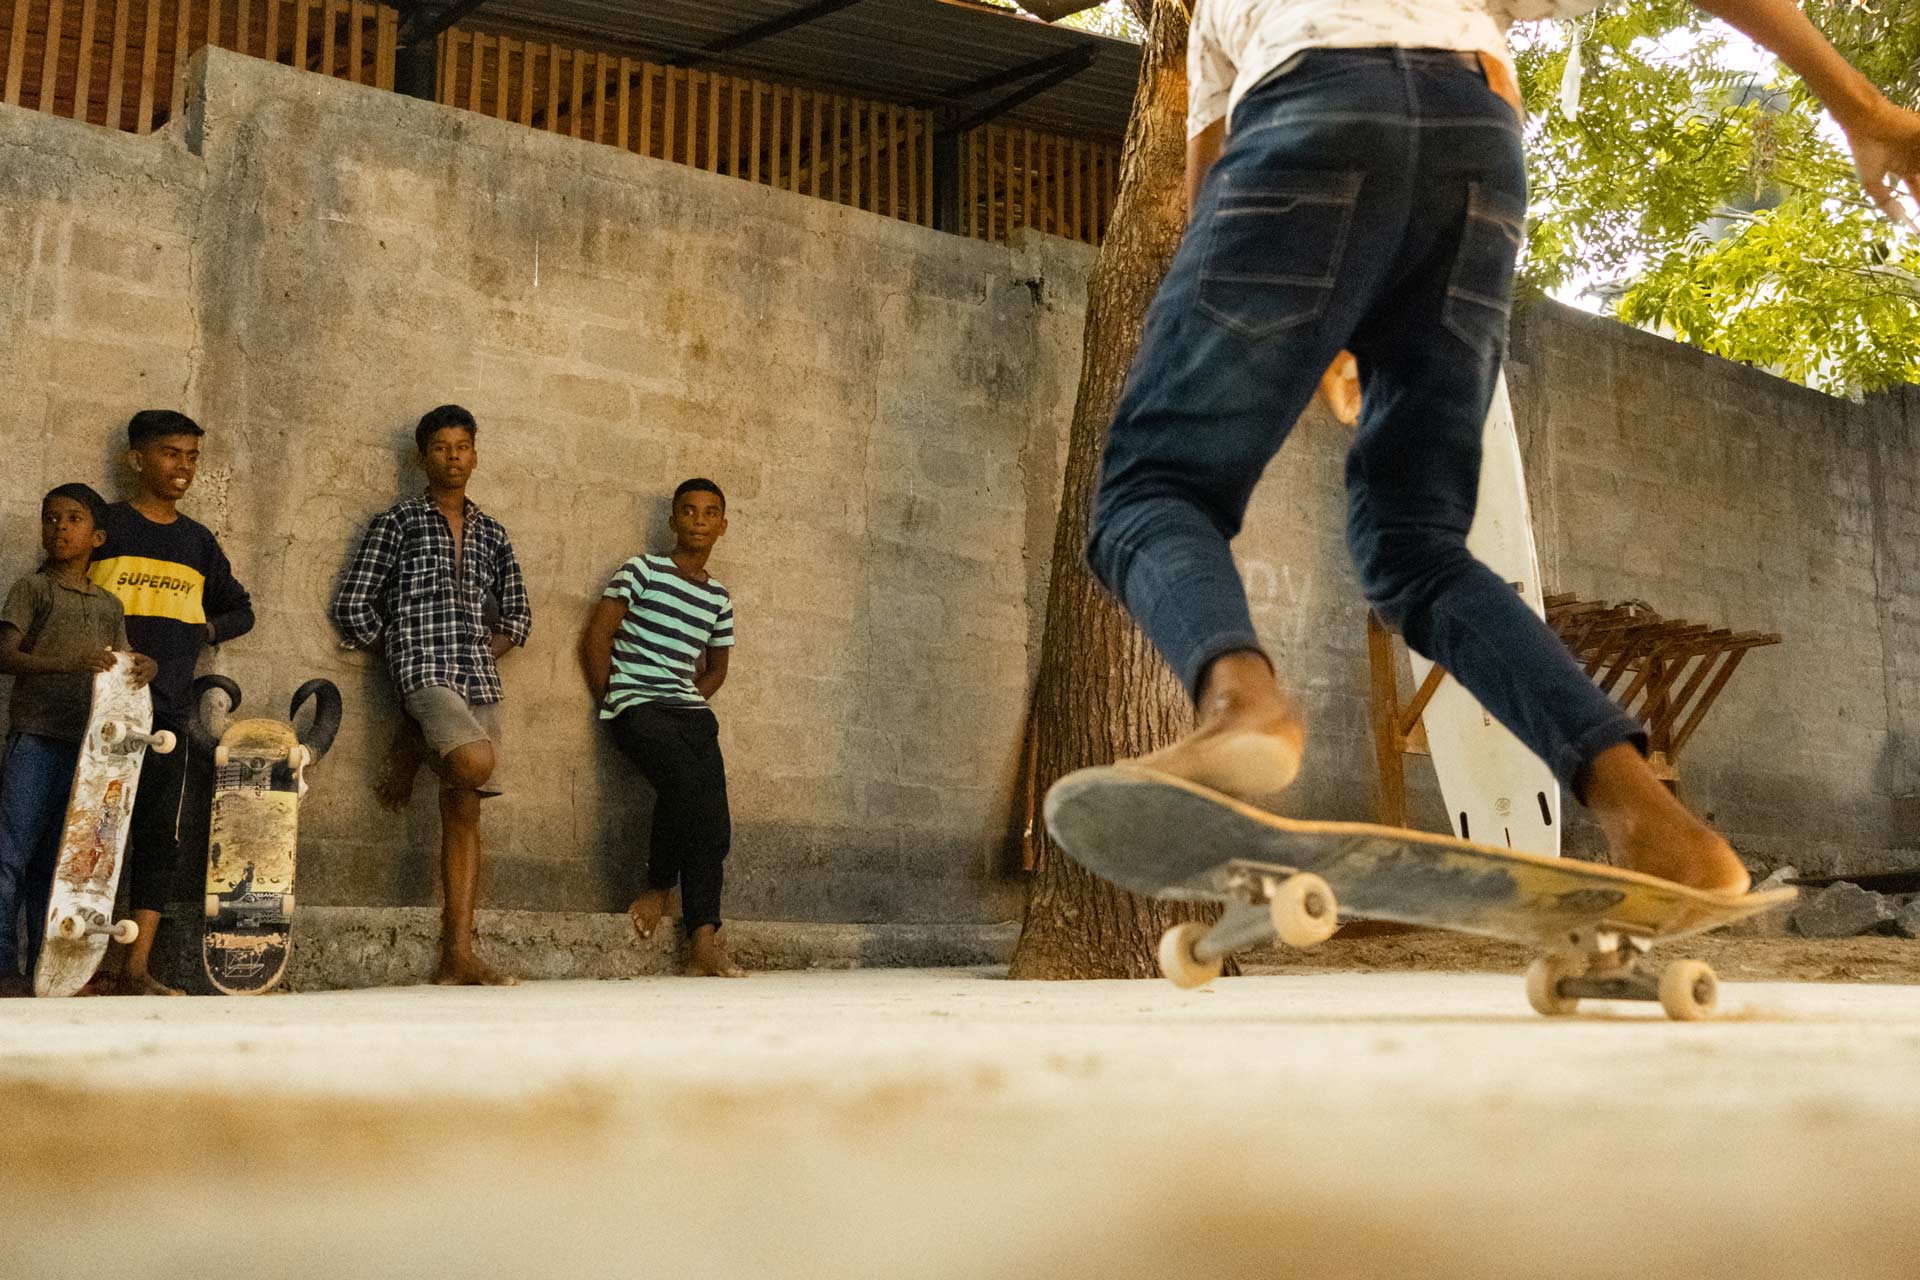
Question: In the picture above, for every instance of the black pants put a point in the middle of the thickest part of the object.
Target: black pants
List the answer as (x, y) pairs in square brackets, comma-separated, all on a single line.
[(678, 751), (153, 837)]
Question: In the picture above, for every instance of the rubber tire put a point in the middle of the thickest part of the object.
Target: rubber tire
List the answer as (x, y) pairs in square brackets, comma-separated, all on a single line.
[(125, 932), (1689, 991), (1179, 965), (163, 743), (1303, 911), (213, 906), (1543, 976)]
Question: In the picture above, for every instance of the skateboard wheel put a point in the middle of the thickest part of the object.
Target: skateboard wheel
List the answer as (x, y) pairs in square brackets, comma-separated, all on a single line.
[(1303, 910), (72, 928), (124, 932), (286, 904), (1177, 961), (163, 742), (213, 905), (113, 732), (299, 758), (1688, 990), (1543, 986), (220, 756)]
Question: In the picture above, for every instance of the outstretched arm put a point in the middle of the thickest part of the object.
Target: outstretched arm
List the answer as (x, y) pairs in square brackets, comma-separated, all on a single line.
[(1884, 138)]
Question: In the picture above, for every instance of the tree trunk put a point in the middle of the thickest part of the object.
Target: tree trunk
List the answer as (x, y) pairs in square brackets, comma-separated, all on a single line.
[(1103, 694)]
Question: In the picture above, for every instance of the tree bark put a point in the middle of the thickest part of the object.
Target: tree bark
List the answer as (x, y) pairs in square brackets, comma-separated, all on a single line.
[(1102, 693)]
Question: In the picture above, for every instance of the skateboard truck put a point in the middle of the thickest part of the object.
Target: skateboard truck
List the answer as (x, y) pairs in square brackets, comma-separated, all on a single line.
[(1297, 908), (1605, 964), (121, 737), (74, 928)]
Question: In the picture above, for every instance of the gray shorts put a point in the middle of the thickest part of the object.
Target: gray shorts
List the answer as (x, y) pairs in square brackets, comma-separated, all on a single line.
[(447, 721)]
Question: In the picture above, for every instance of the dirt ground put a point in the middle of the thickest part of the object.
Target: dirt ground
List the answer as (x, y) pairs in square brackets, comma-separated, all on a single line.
[(949, 1123), (1387, 948)]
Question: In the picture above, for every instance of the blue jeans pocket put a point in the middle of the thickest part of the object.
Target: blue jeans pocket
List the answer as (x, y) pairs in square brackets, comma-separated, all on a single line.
[(1274, 244), (1480, 288)]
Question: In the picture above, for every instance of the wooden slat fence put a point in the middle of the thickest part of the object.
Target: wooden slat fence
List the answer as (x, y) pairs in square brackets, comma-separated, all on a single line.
[(121, 63), (872, 155), (1013, 177)]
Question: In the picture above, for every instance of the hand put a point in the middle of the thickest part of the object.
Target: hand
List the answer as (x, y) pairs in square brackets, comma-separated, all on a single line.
[(1886, 151), (144, 670), (1340, 388), (91, 664)]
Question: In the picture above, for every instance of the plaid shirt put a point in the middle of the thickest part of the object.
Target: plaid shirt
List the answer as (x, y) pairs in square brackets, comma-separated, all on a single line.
[(407, 587)]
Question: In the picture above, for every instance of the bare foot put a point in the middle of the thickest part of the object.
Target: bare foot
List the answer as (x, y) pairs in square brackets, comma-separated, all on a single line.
[(1250, 737), (468, 970), (1649, 831), (709, 958), (142, 984), (648, 910), (404, 757)]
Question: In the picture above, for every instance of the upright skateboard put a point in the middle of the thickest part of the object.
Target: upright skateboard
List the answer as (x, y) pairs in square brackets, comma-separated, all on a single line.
[(94, 840), (1592, 926), (259, 776)]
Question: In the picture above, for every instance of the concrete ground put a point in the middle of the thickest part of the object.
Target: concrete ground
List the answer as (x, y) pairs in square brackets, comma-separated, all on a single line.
[(948, 1123)]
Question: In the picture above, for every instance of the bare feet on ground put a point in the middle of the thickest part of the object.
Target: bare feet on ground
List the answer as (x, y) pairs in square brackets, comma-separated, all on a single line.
[(1650, 831), (404, 755), (465, 969), (648, 910), (709, 957), (1250, 735), (130, 984)]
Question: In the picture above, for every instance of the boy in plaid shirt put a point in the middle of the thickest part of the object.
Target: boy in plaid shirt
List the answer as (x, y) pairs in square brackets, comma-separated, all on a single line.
[(420, 586)]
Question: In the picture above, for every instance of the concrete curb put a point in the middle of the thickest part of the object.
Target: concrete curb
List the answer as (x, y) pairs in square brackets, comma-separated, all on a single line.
[(338, 948)]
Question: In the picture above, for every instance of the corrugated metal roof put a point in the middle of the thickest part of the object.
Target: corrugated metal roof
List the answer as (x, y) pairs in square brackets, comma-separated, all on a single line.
[(899, 50)]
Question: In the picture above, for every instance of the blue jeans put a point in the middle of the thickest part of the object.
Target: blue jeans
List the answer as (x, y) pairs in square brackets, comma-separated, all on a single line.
[(1371, 199), (35, 780)]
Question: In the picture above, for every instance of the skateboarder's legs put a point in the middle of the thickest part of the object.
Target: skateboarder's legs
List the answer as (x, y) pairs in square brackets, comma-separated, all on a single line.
[(678, 752), (35, 778), (1370, 198)]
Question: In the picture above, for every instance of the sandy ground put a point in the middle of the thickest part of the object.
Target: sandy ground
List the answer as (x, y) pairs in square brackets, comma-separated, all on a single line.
[(952, 1124)]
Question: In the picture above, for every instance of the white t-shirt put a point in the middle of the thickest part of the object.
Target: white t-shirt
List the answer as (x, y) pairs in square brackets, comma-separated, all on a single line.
[(1233, 44)]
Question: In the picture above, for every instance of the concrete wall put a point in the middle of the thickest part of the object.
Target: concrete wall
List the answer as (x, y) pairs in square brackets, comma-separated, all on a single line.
[(307, 266)]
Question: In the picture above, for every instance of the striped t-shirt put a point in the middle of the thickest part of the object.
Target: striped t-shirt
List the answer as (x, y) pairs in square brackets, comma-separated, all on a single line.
[(670, 622)]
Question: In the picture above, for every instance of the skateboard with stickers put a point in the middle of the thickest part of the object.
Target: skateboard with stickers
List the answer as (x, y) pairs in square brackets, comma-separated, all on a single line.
[(93, 841), (259, 777), (1591, 927)]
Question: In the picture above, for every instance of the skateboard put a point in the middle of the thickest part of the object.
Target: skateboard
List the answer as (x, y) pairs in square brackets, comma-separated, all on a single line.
[(1592, 927), (94, 840), (259, 777), (1495, 789)]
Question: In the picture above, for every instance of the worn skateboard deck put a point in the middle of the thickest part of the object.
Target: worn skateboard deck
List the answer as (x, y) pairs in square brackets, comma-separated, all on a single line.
[(250, 855), (258, 779), (1163, 837), (93, 843)]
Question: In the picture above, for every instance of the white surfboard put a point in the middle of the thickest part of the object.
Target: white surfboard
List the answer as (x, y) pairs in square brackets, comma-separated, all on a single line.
[(1496, 791)]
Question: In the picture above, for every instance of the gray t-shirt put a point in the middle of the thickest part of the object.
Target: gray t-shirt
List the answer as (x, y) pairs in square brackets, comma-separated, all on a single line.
[(58, 618)]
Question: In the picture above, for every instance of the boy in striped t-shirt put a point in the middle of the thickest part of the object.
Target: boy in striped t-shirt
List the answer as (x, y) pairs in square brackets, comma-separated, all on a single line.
[(654, 651)]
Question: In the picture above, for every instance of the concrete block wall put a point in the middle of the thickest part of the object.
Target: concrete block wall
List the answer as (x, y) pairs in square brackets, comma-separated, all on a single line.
[(306, 266)]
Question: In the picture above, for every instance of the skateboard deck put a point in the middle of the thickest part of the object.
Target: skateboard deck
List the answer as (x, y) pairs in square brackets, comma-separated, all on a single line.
[(253, 838), (1289, 880), (1495, 789), (93, 842)]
